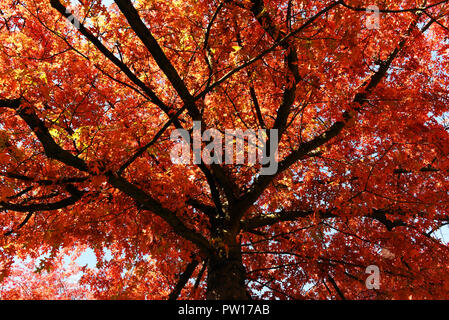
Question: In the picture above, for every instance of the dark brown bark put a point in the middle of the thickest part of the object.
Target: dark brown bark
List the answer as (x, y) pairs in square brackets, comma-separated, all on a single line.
[(183, 279), (226, 275)]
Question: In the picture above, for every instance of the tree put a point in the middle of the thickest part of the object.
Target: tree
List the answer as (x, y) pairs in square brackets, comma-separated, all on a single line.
[(57, 281), (90, 93)]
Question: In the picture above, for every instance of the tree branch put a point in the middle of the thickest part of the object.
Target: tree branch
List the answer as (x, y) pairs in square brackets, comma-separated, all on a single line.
[(280, 42), (305, 148), (169, 70), (159, 56), (75, 196), (149, 203), (54, 151), (185, 276), (142, 150), (269, 219), (334, 284), (56, 4), (51, 148)]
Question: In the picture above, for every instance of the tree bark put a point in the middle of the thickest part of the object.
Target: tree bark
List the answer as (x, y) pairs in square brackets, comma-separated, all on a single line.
[(226, 276)]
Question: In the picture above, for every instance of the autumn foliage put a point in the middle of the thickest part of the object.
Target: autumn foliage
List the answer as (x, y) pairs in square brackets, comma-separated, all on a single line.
[(90, 92)]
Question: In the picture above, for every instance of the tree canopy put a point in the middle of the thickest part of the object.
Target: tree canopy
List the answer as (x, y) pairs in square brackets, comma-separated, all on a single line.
[(91, 91)]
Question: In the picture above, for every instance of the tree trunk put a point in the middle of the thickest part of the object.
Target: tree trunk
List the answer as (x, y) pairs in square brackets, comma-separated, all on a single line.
[(226, 276)]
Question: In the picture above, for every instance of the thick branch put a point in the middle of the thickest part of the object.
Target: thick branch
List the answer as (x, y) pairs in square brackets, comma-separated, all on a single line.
[(51, 148), (159, 56), (54, 151), (208, 210), (149, 203), (169, 70)]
